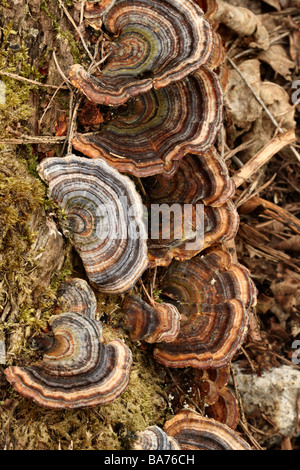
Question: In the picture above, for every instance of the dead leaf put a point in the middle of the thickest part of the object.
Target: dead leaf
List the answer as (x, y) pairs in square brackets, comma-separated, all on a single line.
[(61, 127), (295, 46), (292, 244), (277, 57), (286, 288), (274, 3)]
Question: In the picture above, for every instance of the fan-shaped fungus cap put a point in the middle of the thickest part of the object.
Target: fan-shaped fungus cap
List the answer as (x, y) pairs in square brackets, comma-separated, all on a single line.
[(157, 129), (225, 409), (104, 217), (154, 438), (155, 43), (199, 177), (192, 231), (213, 295), (75, 295), (194, 432), (154, 324), (78, 370)]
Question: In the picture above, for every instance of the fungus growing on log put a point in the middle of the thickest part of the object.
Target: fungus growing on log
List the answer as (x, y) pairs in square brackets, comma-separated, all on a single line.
[(213, 295), (199, 177), (194, 432), (154, 131), (154, 44), (154, 324), (191, 231), (78, 369), (154, 438), (104, 218)]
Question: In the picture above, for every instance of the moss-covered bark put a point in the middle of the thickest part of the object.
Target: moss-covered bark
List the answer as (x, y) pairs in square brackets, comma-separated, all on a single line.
[(34, 257)]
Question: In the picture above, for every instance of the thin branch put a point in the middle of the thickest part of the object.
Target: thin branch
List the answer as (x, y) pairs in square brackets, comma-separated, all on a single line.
[(27, 139), (31, 82), (78, 31)]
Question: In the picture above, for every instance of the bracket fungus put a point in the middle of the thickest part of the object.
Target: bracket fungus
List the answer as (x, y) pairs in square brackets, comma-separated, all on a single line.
[(154, 43), (104, 218), (220, 403), (154, 131), (154, 324), (193, 230), (199, 178), (75, 295), (154, 438), (78, 370), (213, 295), (194, 432)]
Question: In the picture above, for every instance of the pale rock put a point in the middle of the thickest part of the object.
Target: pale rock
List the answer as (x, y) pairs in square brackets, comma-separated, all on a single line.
[(273, 394)]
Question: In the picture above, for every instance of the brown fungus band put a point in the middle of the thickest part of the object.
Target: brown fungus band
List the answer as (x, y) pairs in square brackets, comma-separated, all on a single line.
[(154, 131), (194, 432), (199, 178), (103, 217), (78, 370), (213, 296), (153, 323), (155, 42), (192, 229)]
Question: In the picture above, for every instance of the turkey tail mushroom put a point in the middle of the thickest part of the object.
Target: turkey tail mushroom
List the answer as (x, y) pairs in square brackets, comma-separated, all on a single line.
[(104, 218), (154, 44), (77, 369), (154, 438), (157, 129), (194, 432), (213, 294), (154, 324)]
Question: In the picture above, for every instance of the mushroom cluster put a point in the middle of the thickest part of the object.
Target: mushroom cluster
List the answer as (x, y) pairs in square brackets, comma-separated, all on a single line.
[(161, 93)]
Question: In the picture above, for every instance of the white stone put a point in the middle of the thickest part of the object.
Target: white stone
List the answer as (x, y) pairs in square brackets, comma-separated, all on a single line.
[(274, 394)]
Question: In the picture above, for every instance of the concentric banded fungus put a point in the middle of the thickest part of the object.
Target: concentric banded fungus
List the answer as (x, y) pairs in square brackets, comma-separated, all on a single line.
[(194, 432), (213, 295), (104, 218), (158, 128), (75, 295), (77, 369), (154, 438), (154, 324), (199, 177), (156, 43), (188, 235), (225, 409)]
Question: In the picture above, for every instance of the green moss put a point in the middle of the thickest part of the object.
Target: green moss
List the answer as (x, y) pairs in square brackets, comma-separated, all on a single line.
[(17, 94)]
